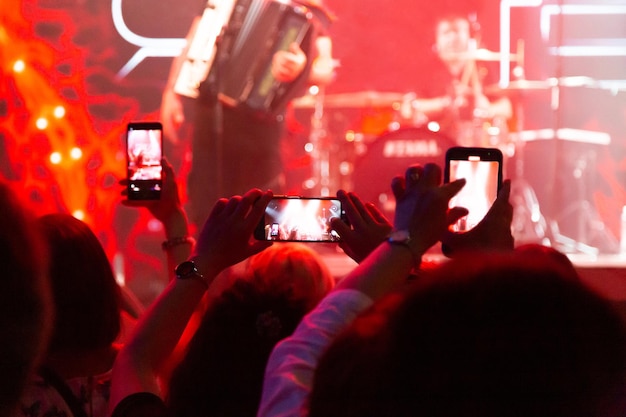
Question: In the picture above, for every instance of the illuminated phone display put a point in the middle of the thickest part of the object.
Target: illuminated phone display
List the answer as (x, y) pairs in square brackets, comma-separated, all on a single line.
[(299, 219), (482, 170), (144, 150)]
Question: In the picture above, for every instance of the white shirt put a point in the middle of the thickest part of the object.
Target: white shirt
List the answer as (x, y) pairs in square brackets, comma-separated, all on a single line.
[(291, 366)]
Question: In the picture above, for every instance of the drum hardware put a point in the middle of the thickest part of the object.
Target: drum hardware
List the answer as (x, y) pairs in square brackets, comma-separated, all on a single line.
[(388, 156), (588, 233), (319, 182), (321, 147), (328, 164), (361, 99), (576, 153), (480, 54), (528, 224), (523, 85)]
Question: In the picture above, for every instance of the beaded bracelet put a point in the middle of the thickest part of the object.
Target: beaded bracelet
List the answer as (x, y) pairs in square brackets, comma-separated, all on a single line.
[(175, 241)]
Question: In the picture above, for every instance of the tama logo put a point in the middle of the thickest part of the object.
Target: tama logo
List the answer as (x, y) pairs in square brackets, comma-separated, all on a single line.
[(411, 148)]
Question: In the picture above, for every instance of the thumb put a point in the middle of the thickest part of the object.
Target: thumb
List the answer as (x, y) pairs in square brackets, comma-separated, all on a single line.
[(294, 48)]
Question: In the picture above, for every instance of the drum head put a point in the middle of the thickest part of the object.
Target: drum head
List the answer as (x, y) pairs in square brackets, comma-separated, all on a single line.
[(388, 156)]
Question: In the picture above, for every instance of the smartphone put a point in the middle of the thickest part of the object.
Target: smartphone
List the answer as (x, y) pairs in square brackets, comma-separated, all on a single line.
[(144, 151), (482, 170), (300, 219)]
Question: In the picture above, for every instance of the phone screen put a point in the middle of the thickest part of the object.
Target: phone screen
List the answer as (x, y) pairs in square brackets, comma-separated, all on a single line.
[(144, 150), (299, 219), (482, 170)]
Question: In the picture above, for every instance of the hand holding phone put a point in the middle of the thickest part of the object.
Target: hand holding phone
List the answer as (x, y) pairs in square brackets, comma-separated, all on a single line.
[(482, 170), (144, 151), (300, 219)]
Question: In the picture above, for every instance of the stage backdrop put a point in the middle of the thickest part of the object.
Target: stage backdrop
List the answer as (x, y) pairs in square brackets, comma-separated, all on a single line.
[(74, 73)]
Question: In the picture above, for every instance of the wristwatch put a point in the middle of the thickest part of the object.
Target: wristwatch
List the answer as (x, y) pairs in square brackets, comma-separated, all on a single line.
[(399, 237), (403, 238), (188, 270)]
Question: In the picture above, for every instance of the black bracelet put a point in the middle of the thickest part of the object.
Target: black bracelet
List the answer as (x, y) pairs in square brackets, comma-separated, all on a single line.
[(175, 241)]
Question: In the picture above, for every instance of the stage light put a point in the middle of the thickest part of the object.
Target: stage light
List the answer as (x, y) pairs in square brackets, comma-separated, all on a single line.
[(41, 123), (154, 225), (76, 153), (308, 147), (56, 158), (79, 214), (59, 112), (19, 66), (434, 126)]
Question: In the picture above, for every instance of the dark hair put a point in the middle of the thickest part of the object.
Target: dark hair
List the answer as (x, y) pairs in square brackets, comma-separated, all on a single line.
[(25, 302), (490, 336), (223, 368), (86, 295)]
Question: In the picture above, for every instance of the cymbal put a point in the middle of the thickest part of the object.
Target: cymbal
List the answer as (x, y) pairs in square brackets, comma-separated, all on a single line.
[(359, 99), (518, 85), (523, 85), (481, 55)]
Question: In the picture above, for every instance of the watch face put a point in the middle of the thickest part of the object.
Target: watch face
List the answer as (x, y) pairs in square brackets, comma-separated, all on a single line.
[(399, 236), (186, 269)]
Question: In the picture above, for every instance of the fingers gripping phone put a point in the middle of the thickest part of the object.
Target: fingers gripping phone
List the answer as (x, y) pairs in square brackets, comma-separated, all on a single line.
[(144, 151), (482, 170), (300, 219)]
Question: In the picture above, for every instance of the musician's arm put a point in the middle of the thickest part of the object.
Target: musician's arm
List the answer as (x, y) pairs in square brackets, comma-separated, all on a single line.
[(323, 67), (501, 107), (177, 62), (431, 106), (172, 114)]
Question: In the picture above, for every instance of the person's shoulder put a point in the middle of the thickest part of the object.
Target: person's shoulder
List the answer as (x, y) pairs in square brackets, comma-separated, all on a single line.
[(41, 398), (141, 404)]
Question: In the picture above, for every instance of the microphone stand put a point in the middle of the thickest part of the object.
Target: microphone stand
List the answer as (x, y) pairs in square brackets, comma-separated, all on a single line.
[(213, 88)]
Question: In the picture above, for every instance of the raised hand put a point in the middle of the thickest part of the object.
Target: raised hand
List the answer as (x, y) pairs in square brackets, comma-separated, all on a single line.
[(493, 232), (422, 205), (169, 205), (227, 235), (367, 227)]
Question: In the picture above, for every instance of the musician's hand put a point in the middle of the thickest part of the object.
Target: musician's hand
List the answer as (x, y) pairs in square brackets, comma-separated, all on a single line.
[(482, 103), (461, 94), (323, 67), (287, 65), (172, 115)]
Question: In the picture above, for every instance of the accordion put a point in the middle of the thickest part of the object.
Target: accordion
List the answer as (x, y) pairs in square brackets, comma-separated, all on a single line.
[(246, 79), (202, 49)]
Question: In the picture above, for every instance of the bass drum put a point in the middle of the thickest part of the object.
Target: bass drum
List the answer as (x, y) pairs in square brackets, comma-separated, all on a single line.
[(388, 156)]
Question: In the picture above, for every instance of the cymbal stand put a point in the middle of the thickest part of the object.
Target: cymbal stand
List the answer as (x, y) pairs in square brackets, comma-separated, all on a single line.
[(320, 180), (589, 227), (587, 217), (528, 224)]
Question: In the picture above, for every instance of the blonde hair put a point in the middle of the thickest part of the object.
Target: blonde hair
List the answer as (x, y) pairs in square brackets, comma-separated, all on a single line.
[(294, 267)]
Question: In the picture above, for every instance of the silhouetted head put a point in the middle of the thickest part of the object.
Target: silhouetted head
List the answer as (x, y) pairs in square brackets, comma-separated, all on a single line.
[(490, 335), (25, 302), (222, 371), (86, 296)]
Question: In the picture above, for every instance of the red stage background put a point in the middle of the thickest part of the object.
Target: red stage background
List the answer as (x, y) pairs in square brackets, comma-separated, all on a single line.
[(69, 86)]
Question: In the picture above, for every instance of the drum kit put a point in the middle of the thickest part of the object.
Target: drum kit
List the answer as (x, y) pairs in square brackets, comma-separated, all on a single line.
[(388, 139)]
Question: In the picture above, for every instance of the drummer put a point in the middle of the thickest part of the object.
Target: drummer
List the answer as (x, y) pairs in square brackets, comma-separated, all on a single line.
[(451, 93)]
